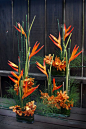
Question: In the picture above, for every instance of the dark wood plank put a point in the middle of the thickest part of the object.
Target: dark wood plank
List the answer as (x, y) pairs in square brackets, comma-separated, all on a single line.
[(84, 37), (73, 17), (53, 12), (20, 10), (6, 45), (37, 7), (64, 123)]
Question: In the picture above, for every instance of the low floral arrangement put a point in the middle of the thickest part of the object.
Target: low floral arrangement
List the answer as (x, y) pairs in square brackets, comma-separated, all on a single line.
[(24, 85), (60, 99)]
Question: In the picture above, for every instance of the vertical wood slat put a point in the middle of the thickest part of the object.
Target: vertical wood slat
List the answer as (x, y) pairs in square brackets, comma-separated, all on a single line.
[(45, 29), (73, 17), (81, 94), (83, 37), (84, 74), (0, 88)]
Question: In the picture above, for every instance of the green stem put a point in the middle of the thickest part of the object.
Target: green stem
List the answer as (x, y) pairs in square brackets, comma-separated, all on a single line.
[(67, 73)]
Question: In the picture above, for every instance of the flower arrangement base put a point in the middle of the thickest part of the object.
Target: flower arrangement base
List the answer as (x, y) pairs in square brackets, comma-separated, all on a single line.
[(54, 72), (25, 119), (65, 112)]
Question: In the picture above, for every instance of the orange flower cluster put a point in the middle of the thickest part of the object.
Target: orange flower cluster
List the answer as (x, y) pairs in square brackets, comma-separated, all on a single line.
[(48, 59), (57, 63), (61, 100), (28, 109)]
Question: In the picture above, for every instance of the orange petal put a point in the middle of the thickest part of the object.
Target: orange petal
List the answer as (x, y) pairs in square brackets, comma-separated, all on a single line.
[(29, 92), (39, 65), (34, 50), (43, 71), (56, 43), (14, 75), (13, 67), (15, 81), (73, 56), (12, 64)]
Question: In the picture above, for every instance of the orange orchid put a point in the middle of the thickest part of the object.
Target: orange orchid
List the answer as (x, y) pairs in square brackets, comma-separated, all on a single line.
[(30, 91), (34, 50), (54, 86), (60, 65), (29, 108), (42, 68), (14, 66), (48, 59), (21, 30), (56, 41), (66, 33), (73, 56)]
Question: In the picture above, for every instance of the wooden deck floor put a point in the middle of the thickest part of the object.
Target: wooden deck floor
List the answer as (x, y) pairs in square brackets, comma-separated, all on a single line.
[(77, 120)]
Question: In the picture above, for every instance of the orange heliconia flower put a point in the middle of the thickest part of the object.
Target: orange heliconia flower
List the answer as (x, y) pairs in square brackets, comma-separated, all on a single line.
[(30, 91), (48, 59), (54, 86), (66, 33), (73, 56), (14, 66), (18, 77), (60, 65), (42, 68), (16, 86), (21, 30), (34, 50), (56, 41), (27, 84)]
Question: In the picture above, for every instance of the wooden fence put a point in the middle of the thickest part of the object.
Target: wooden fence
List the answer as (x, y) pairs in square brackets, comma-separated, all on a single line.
[(70, 12)]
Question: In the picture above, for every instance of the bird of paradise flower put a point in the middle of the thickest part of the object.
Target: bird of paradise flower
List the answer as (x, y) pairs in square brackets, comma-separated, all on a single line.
[(57, 42)]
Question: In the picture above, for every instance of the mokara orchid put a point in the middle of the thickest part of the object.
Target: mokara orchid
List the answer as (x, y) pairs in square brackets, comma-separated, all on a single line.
[(58, 64), (48, 59)]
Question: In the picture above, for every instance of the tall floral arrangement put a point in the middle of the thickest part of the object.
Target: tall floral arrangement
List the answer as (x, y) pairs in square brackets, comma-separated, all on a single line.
[(23, 84)]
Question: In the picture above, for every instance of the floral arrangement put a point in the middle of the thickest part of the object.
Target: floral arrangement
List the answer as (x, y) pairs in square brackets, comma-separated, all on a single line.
[(24, 85), (61, 99)]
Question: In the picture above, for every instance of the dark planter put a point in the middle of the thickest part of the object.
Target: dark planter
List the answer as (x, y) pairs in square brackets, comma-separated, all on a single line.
[(65, 112), (25, 119)]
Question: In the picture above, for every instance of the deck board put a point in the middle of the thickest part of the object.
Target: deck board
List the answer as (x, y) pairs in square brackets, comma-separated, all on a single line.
[(74, 121)]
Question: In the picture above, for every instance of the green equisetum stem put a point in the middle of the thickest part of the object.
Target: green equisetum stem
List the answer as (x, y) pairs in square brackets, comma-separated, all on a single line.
[(49, 79)]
